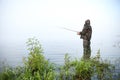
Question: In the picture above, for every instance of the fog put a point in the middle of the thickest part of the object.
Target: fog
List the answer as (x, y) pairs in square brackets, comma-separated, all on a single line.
[(23, 19)]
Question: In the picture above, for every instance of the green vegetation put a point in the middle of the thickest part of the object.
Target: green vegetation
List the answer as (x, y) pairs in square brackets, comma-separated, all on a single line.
[(36, 67)]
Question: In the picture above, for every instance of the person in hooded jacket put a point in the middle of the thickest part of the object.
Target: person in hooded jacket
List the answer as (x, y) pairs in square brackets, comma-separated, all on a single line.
[(86, 34)]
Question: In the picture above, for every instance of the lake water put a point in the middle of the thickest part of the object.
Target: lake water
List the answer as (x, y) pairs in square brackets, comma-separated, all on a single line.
[(13, 53)]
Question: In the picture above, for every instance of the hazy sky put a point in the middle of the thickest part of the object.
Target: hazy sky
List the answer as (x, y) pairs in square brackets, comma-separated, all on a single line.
[(22, 19)]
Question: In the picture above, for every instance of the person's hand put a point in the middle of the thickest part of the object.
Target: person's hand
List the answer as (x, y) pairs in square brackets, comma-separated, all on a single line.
[(78, 33)]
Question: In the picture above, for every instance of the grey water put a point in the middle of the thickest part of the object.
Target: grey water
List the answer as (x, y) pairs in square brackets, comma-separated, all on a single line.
[(54, 51)]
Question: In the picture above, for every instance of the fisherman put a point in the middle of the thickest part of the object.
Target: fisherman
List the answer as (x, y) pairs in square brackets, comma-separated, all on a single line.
[(86, 34)]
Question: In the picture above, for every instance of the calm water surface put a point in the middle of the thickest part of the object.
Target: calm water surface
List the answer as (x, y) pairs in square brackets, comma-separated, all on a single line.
[(13, 54)]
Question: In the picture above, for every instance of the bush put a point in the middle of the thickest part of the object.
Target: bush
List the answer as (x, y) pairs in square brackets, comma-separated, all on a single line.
[(36, 67), (80, 69)]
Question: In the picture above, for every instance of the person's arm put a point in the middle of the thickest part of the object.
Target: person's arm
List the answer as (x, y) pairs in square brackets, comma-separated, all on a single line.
[(84, 31)]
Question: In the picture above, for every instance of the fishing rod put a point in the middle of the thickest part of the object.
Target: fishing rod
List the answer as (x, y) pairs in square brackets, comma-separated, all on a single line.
[(69, 29)]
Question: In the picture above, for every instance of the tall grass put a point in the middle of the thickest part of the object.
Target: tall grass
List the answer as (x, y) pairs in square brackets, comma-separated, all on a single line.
[(36, 67)]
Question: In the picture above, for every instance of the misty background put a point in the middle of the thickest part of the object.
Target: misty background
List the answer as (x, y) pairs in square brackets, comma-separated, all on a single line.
[(43, 19)]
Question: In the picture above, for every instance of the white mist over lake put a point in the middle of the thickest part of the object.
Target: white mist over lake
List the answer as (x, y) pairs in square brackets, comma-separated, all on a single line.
[(23, 19)]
